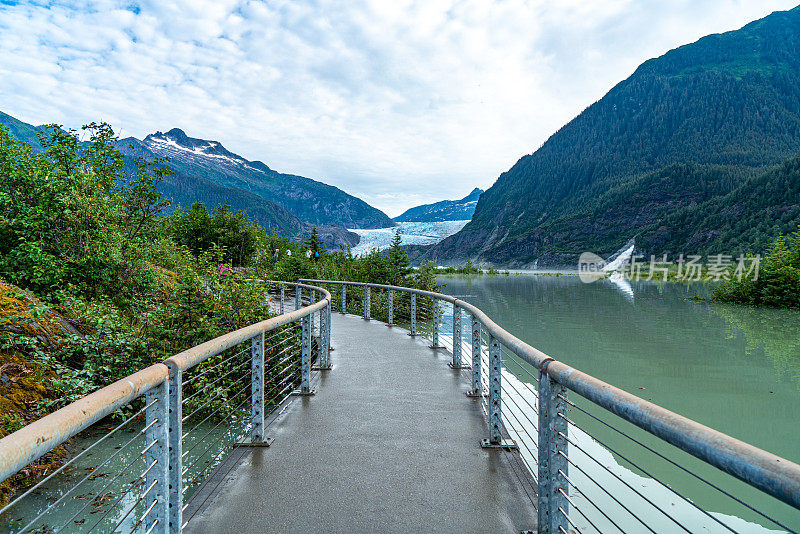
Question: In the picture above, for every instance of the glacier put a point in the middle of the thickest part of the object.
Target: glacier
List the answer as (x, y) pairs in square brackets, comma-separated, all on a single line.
[(411, 233)]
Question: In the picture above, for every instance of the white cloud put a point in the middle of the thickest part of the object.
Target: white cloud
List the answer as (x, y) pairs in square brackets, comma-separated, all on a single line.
[(399, 102)]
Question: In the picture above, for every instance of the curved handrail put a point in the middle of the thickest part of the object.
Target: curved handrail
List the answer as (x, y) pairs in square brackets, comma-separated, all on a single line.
[(530, 354), (199, 353), (33, 441), (771, 474)]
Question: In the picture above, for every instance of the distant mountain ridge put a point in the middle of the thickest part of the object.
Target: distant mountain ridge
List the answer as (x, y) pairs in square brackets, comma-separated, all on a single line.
[(686, 129), (312, 201), (184, 190), (444, 210)]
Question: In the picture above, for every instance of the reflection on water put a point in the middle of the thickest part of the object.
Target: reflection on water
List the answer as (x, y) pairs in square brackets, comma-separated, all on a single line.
[(622, 284), (733, 368)]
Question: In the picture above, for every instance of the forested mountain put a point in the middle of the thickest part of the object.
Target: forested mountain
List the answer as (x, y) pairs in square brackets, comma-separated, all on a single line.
[(444, 210), (22, 130), (686, 128), (749, 218), (311, 201), (185, 189)]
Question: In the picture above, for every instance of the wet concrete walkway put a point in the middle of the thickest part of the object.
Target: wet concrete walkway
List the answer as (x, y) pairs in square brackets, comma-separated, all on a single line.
[(389, 443)]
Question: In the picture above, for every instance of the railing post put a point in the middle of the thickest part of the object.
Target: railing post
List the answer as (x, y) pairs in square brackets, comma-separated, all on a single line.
[(312, 298), (456, 363), (413, 327), (436, 312), (305, 359), (328, 336), (390, 321), (367, 304), (175, 448), (495, 389), (553, 487), (283, 299), (495, 439), (323, 363), (477, 386), (298, 297), (257, 387), (344, 298), (156, 496)]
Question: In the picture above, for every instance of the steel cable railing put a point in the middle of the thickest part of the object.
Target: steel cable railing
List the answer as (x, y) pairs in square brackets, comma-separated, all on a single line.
[(583, 485), (183, 418)]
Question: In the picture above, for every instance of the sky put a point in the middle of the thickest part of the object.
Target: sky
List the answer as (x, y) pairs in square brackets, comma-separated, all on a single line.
[(397, 102)]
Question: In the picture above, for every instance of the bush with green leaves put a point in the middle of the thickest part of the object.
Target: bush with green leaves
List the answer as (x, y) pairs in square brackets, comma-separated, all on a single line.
[(68, 215)]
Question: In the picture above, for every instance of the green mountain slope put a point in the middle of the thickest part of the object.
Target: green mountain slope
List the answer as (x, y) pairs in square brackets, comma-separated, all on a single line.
[(311, 201), (687, 127), (22, 130), (745, 220), (185, 189)]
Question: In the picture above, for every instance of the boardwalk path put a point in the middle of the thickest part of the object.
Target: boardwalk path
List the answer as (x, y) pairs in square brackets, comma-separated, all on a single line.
[(388, 444)]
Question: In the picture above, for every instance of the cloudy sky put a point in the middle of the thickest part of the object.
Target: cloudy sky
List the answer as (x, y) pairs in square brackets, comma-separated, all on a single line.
[(397, 102)]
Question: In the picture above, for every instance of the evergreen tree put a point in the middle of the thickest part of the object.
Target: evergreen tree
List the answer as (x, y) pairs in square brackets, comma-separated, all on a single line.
[(315, 244), (399, 264)]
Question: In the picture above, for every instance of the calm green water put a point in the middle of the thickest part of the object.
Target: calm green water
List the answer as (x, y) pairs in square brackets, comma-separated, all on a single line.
[(735, 369)]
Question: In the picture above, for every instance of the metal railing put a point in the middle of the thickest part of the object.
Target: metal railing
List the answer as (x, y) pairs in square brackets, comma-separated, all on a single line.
[(179, 420), (581, 485)]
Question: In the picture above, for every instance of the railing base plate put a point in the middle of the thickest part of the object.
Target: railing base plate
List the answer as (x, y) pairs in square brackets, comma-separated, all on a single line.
[(505, 444), (390, 325), (475, 394), (457, 367), (436, 347), (301, 393), (412, 335), (266, 443), (326, 368)]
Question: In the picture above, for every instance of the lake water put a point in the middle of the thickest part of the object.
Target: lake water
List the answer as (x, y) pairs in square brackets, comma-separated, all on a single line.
[(735, 369)]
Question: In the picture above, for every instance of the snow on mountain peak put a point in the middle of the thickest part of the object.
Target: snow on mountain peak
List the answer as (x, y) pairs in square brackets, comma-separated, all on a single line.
[(175, 141)]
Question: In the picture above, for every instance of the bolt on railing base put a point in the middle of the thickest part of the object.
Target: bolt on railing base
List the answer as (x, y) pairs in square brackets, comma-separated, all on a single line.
[(301, 393), (249, 443), (473, 394), (505, 444), (457, 367)]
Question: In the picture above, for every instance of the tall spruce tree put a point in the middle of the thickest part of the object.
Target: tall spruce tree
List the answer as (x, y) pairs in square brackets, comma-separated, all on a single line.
[(315, 244), (399, 264)]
